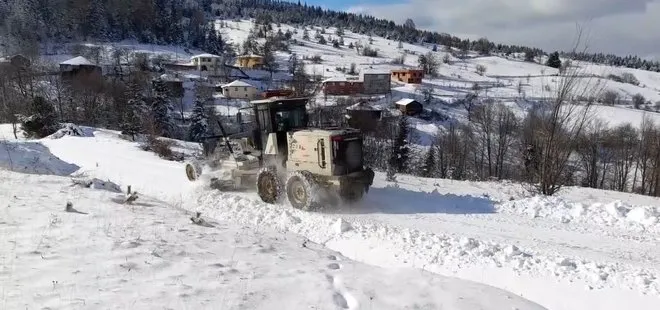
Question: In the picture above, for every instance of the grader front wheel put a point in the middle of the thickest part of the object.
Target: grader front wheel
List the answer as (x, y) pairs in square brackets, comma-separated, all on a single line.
[(302, 192), (269, 186), (193, 171)]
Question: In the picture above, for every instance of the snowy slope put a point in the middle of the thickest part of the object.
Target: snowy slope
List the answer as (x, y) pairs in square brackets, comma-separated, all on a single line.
[(149, 255), (507, 78), (490, 232)]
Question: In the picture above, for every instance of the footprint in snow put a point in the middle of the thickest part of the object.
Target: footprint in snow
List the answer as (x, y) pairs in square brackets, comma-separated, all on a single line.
[(334, 266)]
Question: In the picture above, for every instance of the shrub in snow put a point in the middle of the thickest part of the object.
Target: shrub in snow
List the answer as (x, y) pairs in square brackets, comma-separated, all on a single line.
[(630, 79), (41, 120), (162, 148), (69, 129), (97, 184), (638, 100)]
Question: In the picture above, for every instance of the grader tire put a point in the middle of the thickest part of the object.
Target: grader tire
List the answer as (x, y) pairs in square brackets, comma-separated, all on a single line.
[(269, 186), (193, 171), (302, 191)]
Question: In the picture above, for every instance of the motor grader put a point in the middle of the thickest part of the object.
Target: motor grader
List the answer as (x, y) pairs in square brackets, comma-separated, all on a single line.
[(281, 156)]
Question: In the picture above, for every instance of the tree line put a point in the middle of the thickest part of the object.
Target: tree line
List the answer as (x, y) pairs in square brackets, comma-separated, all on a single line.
[(27, 23)]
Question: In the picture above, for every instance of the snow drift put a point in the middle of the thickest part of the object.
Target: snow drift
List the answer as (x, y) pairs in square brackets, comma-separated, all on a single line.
[(617, 213)]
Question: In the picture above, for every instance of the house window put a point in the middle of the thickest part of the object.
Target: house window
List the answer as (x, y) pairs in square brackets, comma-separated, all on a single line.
[(245, 88)]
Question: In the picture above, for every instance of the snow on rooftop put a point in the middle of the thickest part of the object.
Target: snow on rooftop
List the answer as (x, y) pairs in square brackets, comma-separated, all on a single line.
[(205, 55), (77, 61), (239, 83), (405, 101)]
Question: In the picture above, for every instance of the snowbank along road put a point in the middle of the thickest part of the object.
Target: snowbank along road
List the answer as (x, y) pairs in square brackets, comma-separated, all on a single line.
[(580, 250)]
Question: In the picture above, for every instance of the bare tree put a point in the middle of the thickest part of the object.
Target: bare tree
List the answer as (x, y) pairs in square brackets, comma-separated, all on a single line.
[(562, 120), (624, 138)]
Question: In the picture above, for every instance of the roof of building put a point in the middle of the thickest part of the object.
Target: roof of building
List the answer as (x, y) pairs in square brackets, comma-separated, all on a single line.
[(376, 71), (250, 56), (77, 61), (170, 77), (363, 106), (342, 79), (406, 70), (205, 55), (405, 101), (238, 83)]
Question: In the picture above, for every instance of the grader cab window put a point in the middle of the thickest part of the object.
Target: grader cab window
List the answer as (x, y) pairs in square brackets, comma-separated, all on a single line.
[(291, 119)]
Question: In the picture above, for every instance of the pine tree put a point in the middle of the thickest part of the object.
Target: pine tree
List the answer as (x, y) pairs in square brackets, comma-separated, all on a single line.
[(199, 122), (306, 35), (96, 20), (131, 124), (160, 108), (400, 152), (428, 167), (554, 61)]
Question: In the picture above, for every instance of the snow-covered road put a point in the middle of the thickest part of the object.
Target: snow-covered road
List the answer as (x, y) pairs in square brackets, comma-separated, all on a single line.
[(471, 230), (149, 255)]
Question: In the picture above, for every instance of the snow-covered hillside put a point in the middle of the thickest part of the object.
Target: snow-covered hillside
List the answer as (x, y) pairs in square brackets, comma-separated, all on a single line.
[(508, 79), (582, 249)]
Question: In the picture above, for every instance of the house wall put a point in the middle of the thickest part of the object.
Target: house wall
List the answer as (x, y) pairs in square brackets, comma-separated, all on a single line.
[(240, 92), (81, 71), (408, 76), (207, 63), (249, 62), (343, 88), (364, 120), (411, 109), (377, 83)]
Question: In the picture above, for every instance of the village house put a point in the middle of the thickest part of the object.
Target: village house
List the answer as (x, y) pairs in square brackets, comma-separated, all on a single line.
[(79, 67), (409, 76), (240, 90), (342, 86), (174, 84), (207, 62), (250, 61), (376, 82), (410, 107), (269, 93), (363, 117), (18, 62)]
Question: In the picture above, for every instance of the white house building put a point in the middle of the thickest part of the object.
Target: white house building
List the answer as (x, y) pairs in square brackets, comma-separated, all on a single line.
[(240, 90), (207, 62)]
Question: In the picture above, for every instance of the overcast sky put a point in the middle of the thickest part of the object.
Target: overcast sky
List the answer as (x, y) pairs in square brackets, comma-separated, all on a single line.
[(611, 26)]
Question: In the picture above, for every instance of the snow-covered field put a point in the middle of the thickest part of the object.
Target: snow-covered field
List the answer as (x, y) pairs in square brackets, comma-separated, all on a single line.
[(103, 253), (583, 249)]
